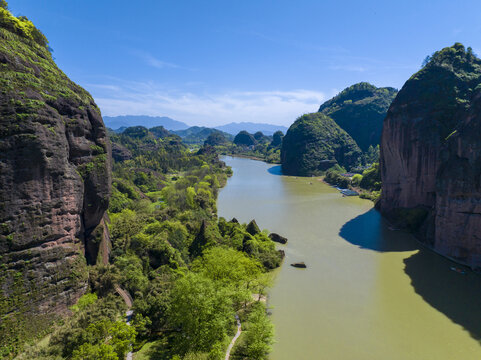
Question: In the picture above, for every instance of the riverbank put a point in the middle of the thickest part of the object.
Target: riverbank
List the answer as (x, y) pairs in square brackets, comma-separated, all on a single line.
[(369, 293), (251, 157)]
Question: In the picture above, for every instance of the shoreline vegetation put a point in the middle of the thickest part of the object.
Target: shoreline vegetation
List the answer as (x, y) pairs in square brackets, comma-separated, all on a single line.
[(173, 254), (367, 183)]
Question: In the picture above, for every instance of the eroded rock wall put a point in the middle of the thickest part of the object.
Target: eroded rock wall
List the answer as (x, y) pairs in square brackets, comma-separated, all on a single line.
[(430, 155), (54, 178)]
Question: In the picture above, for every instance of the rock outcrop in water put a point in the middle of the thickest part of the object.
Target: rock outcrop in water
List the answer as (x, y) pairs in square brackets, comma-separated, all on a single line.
[(431, 155), (315, 143), (54, 175)]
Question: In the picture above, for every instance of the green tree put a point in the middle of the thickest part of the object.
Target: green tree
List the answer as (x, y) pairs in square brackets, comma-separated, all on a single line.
[(123, 336), (201, 310), (95, 352), (228, 266), (133, 278), (259, 335)]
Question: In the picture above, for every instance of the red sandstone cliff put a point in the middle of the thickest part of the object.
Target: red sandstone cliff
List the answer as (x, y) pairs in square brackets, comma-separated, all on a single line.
[(431, 155), (54, 177)]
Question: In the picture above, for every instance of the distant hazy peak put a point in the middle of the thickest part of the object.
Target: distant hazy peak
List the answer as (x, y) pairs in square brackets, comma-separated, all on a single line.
[(267, 129), (115, 122)]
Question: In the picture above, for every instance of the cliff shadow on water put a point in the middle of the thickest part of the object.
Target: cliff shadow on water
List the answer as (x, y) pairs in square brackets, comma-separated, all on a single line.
[(275, 170), (371, 231), (455, 295)]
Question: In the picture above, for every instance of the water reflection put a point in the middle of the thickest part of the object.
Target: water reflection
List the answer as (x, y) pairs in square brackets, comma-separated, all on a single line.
[(371, 231)]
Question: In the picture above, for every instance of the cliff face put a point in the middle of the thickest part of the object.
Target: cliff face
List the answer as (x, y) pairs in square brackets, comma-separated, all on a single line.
[(54, 175), (360, 110), (315, 143), (430, 155)]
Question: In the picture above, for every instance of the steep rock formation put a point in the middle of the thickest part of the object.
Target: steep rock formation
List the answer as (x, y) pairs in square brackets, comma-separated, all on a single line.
[(431, 155), (54, 175), (243, 138), (360, 110), (315, 143)]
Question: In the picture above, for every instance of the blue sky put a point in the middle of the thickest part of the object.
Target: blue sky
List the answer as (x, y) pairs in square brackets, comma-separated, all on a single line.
[(212, 62)]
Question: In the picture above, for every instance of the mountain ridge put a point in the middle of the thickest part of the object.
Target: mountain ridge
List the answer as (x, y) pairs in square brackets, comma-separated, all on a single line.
[(234, 128), (116, 122)]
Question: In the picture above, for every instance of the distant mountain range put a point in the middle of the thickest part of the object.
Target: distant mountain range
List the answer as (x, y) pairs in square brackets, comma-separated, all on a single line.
[(116, 122), (266, 129), (119, 123)]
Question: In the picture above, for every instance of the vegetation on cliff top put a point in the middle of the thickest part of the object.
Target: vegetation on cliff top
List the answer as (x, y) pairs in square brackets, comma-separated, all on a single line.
[(315, 143), (441, 91), (20, 25), (360, 110)]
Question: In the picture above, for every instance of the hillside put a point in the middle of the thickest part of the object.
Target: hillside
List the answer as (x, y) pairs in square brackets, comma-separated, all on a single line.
[(315, 143), (360, 110), (54, 184), (430, 155), (199, 134)]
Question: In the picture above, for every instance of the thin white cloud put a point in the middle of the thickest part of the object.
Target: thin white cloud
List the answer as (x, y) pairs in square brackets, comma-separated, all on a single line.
[(151, 60), (275, 107), (354, 68)]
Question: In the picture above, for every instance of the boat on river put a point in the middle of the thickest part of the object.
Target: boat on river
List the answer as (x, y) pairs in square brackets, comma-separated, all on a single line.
[(349, 192)]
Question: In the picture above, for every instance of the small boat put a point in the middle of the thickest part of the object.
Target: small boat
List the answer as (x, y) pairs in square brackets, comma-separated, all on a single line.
[(458, 270), (348, 192)]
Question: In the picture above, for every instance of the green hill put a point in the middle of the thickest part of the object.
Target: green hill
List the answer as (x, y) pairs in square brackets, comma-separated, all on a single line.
[(315, 143), (360, 110), (198, 134)]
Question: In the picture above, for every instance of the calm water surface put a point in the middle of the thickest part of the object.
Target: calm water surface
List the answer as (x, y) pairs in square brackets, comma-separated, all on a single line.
[(368, 292)]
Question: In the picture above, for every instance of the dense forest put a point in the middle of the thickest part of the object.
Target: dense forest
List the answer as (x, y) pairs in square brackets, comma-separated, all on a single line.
[(172, 254)]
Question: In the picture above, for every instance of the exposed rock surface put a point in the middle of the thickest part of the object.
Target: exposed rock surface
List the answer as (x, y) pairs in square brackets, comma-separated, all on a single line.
[(300, 265), (360, 110), (120, 152), (431, 155), (315, 143), (252, 228), (54, 176), (278, 238)]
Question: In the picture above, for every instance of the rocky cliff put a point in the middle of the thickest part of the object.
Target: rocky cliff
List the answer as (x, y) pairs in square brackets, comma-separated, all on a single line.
[(431, 155), (54, 176), (360, 110), (315, 143)]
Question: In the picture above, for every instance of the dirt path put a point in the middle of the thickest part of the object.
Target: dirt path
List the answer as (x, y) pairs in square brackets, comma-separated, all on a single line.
[(232, 343), (105, 247)]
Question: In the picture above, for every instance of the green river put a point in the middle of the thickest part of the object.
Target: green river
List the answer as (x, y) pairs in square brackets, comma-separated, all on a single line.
[(368, 292)]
